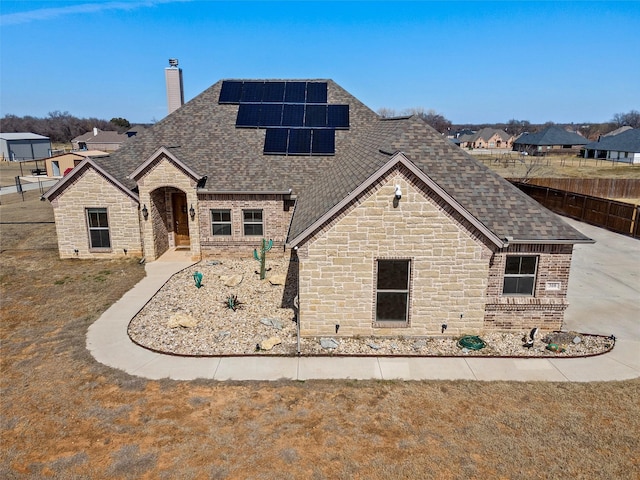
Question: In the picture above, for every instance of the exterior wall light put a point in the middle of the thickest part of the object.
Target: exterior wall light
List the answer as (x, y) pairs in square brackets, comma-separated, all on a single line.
[(192, 212), (398, 192), (145, 212)]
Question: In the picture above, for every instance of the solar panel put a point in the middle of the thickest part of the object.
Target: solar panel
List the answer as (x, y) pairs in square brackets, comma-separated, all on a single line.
[(273, 92), (316, 92), (323, 142), (338, 116), (271, 114), (252, 92), (230, 92), (275, 141), (293, 116), (248, 115), (299, 141), (296, 116), (315, 116), (295, 92)]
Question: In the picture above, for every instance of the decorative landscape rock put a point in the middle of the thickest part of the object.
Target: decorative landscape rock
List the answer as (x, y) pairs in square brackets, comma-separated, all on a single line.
[(221, 331), (181, 320), (269, 343), (328, 343), (373, 346), (560, 337), (419, 344), (271, 322), (231, 280), (277, 279)]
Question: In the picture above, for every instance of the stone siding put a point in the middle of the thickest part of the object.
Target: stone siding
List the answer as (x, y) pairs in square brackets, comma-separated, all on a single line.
[(545, 309), (276, 217), (92, 190), (159, 216), (159, 175), (449, 265)]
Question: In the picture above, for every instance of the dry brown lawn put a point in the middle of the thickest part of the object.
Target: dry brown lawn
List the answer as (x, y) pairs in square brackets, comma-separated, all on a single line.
[(63, 415), (511, 165)]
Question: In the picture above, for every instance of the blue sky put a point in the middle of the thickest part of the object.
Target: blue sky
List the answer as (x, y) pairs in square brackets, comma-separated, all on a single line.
[(470, 61)]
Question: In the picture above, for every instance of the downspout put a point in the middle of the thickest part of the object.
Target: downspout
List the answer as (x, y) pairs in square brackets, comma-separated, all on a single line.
[(296, 303)]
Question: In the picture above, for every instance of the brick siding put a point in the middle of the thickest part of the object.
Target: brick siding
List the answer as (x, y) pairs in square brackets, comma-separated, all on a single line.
[(546, 308), (275, 216)]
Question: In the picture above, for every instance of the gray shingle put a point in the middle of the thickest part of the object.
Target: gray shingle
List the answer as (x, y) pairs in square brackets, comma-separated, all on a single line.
[(502, 208), (550, 136), (202, 134), (627, 141)]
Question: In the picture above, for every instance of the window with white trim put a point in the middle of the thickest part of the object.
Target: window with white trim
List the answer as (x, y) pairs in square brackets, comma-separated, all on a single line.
[(520, 275), (252, 222), (221, 222), (98, 228), (392, 291)]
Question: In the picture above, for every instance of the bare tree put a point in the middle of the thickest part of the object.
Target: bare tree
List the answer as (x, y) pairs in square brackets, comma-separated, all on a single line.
[(385, 112), (517, 127), (58, 126), (631, 119), (431, 117)]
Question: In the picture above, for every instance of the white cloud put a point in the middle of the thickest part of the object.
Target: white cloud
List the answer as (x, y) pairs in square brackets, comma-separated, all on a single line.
[(84, 8)]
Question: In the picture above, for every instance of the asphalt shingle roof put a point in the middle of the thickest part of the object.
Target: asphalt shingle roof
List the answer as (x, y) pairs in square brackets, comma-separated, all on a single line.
[(501, 207), (551, 135), (627, 141), (487, 132), (103, 136), (202, 135)]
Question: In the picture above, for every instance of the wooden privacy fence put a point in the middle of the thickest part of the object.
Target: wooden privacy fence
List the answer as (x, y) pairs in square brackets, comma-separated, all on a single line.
[(594, 187), (619, 217)]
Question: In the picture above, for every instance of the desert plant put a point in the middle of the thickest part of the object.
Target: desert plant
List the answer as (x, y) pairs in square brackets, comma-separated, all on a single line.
[(262, 256), (197, 277), (232, 302)]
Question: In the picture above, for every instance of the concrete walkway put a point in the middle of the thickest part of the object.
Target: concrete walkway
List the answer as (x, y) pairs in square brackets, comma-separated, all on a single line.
[(604, 291)]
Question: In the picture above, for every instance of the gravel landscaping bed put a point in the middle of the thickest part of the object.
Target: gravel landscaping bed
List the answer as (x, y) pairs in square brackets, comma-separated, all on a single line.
[(182, 319)]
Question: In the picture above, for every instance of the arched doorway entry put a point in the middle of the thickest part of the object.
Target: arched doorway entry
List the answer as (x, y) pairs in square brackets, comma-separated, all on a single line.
[(168, 224), (180, 219)]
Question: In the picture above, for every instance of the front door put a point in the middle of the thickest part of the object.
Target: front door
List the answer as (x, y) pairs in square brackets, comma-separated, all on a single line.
[(180, 219)]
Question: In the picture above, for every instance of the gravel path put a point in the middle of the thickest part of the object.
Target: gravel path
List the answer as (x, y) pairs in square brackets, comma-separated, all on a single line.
[(185, 320)]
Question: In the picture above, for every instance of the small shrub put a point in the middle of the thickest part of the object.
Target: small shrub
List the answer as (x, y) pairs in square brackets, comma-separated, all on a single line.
[(233, 303)]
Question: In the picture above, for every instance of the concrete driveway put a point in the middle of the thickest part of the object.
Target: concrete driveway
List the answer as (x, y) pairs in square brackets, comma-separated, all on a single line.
[(604, 287)]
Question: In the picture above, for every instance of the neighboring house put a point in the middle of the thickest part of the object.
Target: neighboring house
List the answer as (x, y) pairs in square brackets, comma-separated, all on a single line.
[(487, 138), (623, 147), (392, 229), (135, 129), (615, 132), (551, 139), (18, 147), (96, 139), (57, 165), (464, 139)]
